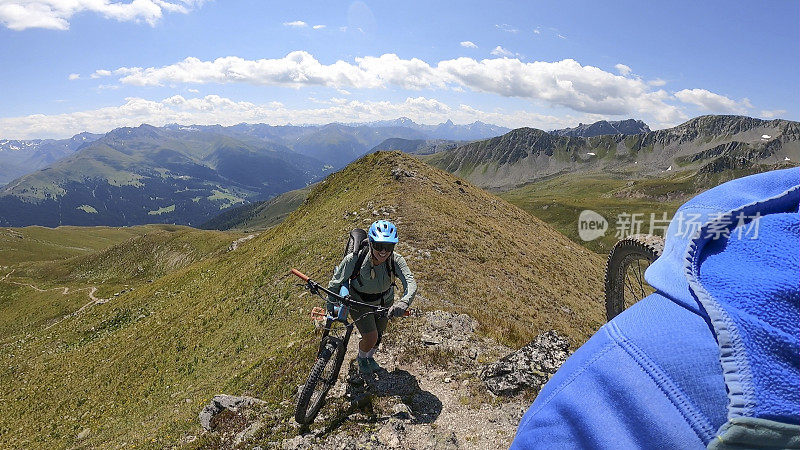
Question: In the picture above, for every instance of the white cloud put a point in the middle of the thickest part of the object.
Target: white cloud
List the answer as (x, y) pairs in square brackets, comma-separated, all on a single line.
[(561, 36), (296, 24), (656, 82), (193, 91), (55, 14), (500, 51), (564, 83), (213, 109), (468, 44), (537, 30), (623, 69), (100, 73), (773, 114), (318, 27), (507, 28), (74, 76), (713, 102)]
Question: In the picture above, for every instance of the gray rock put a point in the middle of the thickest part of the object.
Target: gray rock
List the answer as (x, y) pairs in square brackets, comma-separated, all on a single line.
[(529, 367), (222, 402), (247, 433), (390, 434), (445, 326), (431, 340), (399, 173), (402, 411)]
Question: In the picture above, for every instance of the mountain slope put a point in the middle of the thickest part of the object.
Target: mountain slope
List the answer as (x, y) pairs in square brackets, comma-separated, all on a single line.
[(259, 215), (18, 158), (137, 369), (337, 144), (340, 144), (46, 244), (448, 130), (38, 293), (153, 175), (417, 146), (707, 143), (180, 174), (629, 126)]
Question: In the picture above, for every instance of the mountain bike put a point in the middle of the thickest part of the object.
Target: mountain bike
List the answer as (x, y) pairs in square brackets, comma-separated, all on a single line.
[(627, 262), (336, 333)]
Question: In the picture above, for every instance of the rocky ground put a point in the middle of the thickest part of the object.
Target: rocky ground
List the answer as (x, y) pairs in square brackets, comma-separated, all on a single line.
[(441, 387)]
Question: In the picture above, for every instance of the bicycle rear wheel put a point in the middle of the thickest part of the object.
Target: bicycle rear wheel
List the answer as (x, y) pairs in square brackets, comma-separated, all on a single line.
[(627, 262), (323, 376)]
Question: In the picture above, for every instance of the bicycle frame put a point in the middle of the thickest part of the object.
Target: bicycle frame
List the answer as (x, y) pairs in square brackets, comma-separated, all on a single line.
[(315, 289)]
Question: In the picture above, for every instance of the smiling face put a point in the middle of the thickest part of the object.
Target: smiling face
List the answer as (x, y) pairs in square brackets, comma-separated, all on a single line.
[(380, 252)]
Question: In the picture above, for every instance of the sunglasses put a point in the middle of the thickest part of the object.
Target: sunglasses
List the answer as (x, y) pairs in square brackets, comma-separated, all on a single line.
[(382, 246)]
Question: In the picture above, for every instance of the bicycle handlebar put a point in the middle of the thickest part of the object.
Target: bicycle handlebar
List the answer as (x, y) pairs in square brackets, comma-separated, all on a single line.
[(302, 276), (347, 300)]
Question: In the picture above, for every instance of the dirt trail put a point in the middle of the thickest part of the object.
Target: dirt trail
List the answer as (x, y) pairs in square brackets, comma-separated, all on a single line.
[(440, 415), (64, 291), (7, 275)]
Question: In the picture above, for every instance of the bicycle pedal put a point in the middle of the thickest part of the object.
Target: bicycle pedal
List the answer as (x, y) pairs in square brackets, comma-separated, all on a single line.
[(318, 314)]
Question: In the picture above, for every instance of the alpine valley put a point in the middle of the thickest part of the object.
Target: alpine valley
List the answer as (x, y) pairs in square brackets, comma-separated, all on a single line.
[(185, 174)]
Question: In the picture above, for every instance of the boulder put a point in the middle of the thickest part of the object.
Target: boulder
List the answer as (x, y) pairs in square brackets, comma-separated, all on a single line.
[(224, 402), (529, 367)]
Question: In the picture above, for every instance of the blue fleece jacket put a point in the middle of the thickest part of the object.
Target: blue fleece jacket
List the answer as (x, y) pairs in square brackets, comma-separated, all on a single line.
[(709, 360)]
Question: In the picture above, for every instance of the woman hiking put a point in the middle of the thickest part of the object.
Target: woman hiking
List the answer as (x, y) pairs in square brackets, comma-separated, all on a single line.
[(373, 283)]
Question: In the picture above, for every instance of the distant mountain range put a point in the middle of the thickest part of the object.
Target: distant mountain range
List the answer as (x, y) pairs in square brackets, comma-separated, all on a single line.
[(447, 130), (706, 143), (417, 146), (188, 174), (18, 157), (183, 174), (630, 126), (153, 175)]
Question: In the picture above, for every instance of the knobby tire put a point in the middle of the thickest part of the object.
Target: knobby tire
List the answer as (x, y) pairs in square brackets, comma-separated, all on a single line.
[(323, 376), (635, 252)]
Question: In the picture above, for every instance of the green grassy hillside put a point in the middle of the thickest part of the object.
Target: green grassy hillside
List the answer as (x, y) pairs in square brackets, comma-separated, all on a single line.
[(260, 215), (37, 294), (137, 369), (559, 201), (40, 243)]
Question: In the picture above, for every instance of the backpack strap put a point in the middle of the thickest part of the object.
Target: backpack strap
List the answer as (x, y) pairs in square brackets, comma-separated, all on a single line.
[(392, 269), (362, 255)]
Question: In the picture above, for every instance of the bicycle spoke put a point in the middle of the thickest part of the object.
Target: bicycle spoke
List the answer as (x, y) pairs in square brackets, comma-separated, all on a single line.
[(629, 284), (640, 277)]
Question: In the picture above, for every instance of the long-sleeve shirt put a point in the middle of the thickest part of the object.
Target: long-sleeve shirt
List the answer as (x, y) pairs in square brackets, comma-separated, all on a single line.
[(382, 281)]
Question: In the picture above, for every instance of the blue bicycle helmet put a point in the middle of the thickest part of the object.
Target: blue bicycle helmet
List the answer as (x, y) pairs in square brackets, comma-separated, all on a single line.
[(383, 231)]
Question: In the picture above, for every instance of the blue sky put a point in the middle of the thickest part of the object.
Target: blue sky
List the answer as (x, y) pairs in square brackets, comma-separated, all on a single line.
[(85, 65)]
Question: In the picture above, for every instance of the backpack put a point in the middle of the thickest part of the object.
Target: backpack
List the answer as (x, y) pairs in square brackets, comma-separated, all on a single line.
[(358, 245)]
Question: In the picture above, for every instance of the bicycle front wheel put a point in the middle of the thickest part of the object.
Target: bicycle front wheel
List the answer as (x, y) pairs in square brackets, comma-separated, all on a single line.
[(323, 376), (627, 262)]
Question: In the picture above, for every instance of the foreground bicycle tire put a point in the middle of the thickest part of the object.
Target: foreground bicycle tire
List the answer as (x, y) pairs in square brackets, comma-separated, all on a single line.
[(323, 376), (627, 261)]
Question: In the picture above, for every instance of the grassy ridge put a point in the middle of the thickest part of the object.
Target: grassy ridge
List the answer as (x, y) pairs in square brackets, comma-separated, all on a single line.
[(138, 369), (40, 243)]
